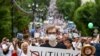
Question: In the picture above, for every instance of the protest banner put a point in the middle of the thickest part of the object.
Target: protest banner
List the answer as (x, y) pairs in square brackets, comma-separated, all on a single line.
[(45, 51)]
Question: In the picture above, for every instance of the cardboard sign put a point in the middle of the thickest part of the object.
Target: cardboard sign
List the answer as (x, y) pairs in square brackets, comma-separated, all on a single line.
[(45, 51)]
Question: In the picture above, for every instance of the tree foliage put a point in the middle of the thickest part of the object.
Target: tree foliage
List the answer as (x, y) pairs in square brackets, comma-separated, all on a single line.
[(97, 14), (85, 14), (5, 19), (67, 7), (20, 20), (81, 14)]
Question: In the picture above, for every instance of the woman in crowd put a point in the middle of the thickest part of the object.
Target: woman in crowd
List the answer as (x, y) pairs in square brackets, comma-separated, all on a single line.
[(14, 47), (88, 50), (24, 49)]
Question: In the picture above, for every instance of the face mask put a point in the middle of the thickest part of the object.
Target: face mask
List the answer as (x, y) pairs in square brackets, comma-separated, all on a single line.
[(36, 35), (52, 37), (37, 44)]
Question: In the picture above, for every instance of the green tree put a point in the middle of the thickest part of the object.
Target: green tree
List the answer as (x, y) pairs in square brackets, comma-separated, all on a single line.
[(5, 19), (83, 15), (20, 20), (97, 14), (67, 7)]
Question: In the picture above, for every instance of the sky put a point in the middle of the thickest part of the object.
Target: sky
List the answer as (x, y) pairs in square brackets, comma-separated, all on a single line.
[(84, 1)]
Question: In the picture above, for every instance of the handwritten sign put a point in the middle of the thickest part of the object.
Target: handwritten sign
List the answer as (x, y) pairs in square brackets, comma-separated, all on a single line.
[(44, 51)]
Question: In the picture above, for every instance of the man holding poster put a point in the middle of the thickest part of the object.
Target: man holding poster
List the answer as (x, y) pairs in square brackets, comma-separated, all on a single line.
[(52, 38)]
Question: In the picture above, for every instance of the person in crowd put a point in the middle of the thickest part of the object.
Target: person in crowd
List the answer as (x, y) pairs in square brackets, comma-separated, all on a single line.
[(65, 36), (26, 38), (37, 38), (24, 49), (88, 50), (32, 32), (14, 47), (96, 40), (51, 35), (62, 38), (19, 36), (68, 44), (37, 43), (36, 35), (77, 42), (83, 40), (41, 42), (88, 41), (4, 40), (33, 42), (19, 43), (52, 38), (5, 50)]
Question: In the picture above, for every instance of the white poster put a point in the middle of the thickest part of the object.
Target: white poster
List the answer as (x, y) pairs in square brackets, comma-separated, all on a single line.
[(44, 51)]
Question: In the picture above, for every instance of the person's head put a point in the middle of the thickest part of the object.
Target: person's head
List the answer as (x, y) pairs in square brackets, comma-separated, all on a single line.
[(15, 40), (33, 40), (83, 40), (26, 37), (65, 36), (88, 41), (76, 39), (36, 35), (4, 40), (88, 50), (7, 40), (24, 46), (59, 38), (51, 33), (51, 30), (68, 43)]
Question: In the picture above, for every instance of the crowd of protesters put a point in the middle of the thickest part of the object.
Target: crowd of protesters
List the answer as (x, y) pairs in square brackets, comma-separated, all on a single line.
[(54, 38)]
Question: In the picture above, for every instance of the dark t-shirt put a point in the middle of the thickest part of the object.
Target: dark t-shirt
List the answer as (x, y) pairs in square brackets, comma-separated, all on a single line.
[(59, 45)]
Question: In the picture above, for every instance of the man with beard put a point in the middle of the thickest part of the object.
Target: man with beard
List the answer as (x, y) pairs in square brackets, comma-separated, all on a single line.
[(52, 38), (5, 50)]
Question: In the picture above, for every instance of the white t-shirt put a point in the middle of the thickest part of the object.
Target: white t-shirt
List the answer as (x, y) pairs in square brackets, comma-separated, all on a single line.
[(77, 45), (22, 54), (18, 49), (8, 54)]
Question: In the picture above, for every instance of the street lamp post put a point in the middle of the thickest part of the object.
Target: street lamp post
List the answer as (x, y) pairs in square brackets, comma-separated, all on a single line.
[(32, 9), (35, 11)]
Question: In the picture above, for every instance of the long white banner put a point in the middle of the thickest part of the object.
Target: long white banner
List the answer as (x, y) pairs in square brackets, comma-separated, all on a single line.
[(44, 51)]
